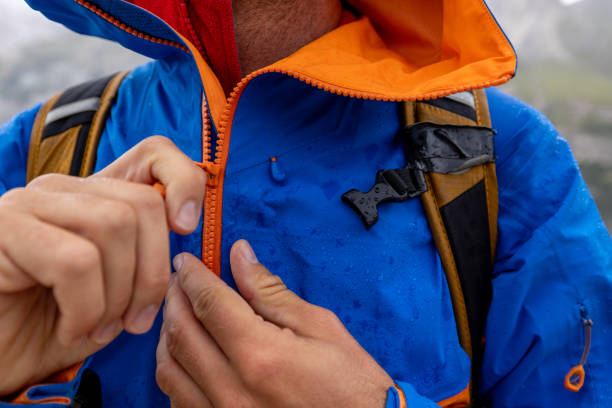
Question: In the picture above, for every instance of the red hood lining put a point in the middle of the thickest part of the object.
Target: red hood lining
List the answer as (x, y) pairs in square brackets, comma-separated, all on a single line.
[(209, 25)]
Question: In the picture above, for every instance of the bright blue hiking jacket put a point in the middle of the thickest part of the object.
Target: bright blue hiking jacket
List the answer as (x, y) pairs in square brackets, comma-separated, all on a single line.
[(329, 116)]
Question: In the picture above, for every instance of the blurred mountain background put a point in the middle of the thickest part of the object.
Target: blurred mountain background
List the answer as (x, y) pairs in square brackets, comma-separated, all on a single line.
[(565, 69)]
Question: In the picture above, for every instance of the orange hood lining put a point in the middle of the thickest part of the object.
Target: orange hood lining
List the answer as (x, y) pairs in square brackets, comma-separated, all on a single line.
[(398, 50), (410, 49)]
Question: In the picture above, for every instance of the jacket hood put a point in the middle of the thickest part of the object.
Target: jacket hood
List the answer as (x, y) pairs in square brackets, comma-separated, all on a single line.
[(209, 25), (397, 50)]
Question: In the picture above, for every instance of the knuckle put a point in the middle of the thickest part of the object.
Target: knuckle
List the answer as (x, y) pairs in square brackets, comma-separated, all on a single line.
[(156, 142), (163, 376), (118, 305), (154, 281), (174, 334), (206, 302), (116, 218), (270, 287), (260, 368), (78, 258), (46, 179), (14, 196), (148, 199), (327, 318)]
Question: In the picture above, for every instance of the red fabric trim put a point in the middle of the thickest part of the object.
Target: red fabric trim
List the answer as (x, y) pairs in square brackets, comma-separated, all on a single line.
[(209, 25)]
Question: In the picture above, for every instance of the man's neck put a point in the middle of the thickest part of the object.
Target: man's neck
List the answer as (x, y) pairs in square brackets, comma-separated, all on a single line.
[(270, 30)]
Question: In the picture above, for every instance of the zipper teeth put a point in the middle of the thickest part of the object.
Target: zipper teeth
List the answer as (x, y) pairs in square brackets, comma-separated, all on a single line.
[(210, 199), (118, 23), (206, 143)]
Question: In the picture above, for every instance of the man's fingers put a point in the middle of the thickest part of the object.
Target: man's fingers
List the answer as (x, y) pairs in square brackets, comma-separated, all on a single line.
[(270, 298), (195, 350), (224, 314), (109, 224), (175, 382), (64, 262), (158, 159), (152, 268)]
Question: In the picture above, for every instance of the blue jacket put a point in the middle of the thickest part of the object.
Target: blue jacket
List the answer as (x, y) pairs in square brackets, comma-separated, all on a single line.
[(553, 264)]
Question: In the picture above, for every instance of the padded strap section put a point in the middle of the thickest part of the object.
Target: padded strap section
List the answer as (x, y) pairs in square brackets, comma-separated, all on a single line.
[(34, 169), (107, 98), (467, 226), (441, 239), (462, 210), (68, 127)]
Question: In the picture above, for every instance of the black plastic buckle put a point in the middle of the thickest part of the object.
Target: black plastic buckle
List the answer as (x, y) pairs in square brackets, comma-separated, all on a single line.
[(390, 186)]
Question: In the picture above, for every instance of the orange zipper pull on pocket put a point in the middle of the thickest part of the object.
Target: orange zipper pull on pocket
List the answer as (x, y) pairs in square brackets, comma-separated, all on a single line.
[(574, 380)]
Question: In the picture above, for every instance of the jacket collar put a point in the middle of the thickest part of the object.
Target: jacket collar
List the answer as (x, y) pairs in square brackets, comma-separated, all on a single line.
[(398, 50)]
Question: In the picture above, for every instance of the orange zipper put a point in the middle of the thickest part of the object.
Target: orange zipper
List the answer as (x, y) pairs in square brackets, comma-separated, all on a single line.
[(211, 234), (118, 23), (215, 165)]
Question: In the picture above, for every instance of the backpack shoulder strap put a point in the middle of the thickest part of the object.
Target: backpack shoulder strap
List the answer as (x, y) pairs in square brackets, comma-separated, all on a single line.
[(68, 127), (450, 158), (462, 209)]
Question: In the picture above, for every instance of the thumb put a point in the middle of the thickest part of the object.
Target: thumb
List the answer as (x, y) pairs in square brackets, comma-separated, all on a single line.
[(268, 295), (157, 159)]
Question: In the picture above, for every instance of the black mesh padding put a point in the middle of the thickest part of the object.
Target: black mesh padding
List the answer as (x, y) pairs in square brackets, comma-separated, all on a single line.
[(91, 89), (467, 224)]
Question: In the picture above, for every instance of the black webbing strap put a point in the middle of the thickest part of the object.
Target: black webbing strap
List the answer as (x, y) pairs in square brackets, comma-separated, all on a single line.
[(450, 164)]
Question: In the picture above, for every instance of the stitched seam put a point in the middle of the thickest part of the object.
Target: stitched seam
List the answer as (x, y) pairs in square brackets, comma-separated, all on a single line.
[(478, 107)]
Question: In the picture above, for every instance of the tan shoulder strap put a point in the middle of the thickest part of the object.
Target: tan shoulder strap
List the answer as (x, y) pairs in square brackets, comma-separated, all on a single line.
[(462, 209), (68, 127)]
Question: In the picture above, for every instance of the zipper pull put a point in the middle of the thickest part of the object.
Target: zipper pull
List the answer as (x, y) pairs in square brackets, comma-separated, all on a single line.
[(211, 169), (574, 380)]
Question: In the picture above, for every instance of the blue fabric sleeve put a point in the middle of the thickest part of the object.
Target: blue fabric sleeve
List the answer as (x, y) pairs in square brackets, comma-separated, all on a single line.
[(14, 145), (412, 398), (553, 269), (42, 395)]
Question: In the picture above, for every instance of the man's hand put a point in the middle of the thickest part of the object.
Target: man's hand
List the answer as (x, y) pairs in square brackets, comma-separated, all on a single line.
[(83, 259), (268, 348)]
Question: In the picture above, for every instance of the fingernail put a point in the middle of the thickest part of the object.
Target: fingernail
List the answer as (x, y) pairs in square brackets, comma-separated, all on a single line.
[(103, 335), (247, 252), (172, 277), (188, 216), (144, 320), (177, 263)]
